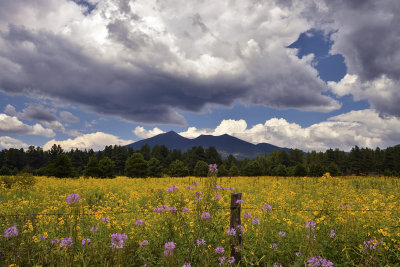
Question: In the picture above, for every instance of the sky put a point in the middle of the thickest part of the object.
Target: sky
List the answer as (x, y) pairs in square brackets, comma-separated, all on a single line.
[(312, 75)]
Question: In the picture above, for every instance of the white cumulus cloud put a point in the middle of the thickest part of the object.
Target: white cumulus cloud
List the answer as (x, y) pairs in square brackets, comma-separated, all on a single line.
[(12, 125), (7, 142), (96, 141), (142, 133)]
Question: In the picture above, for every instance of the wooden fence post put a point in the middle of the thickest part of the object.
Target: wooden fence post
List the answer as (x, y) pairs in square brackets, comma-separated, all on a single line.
[(235, 221)]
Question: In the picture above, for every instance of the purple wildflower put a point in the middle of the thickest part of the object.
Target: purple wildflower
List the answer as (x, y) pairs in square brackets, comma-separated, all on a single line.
[(220, 250), (66, 242), (217, 197), (185, 210), (164, 208), (86, 241), (170, 190), (311, 225), (231, 260), (11, 231), (277, 264), (221, 260), (54, 241), (318, 261), (240, 201), (247, 215), (169, 249), (240, 227), (173, 210), (186, 264), (255, 221), (332, 233), (231, 188), (73, 198), (213, 169), (198, 193), (144, 243), (205, 216), (282, 233), (139, 222), (267, 207), (195, 183), (94, 228), (43, 237), (189, 188), (105, 219), (117, 240), (231, 232), (370, 244), (274, 246), (200, 242), (298, 254)]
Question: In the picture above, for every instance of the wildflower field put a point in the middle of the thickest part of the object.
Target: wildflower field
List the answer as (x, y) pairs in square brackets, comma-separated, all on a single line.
[(285, 221)]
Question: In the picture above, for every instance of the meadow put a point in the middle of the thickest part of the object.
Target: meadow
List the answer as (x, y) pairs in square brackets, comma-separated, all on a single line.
[(285, 221)]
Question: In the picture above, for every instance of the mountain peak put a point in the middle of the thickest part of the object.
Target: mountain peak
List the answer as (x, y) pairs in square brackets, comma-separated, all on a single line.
[(171, 133), (225, 144)]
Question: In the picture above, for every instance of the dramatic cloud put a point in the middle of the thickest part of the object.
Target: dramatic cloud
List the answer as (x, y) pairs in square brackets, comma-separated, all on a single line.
[(143, 133), (143, 61), (37, 112), (367, 34), (68, 117), (7, 142), (12, 125), (364, 128), (382, 93), (96, 141)]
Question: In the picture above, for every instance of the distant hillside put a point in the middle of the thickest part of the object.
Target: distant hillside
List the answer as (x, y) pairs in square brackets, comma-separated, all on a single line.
[(225, 144)]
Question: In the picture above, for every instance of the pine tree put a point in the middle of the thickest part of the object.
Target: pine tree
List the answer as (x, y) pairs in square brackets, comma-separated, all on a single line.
[(136, 166), (106, 168)]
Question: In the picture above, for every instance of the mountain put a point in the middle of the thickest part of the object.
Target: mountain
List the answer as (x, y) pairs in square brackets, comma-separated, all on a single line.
[(225, 144)]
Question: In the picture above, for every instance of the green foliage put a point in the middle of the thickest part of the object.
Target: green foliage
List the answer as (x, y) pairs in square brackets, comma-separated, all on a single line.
[(178, 169), (316, 170), (334, 170), (154, 168), (136, 166), (234, 170), (201, 169), (279, 170), (252, 169), (106, 168), (222, 171), (92, 168), (61, 167), (5, 171), (300, 170)]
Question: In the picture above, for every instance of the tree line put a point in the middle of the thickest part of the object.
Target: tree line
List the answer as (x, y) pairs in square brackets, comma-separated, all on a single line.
[(161, 161)]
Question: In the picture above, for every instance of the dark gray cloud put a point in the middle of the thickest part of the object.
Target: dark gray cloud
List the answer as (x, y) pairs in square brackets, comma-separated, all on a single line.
[(137, 66), (37, 112), (367, 34)]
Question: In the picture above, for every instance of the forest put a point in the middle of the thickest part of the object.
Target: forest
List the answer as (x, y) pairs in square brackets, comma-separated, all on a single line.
[(160, 161)]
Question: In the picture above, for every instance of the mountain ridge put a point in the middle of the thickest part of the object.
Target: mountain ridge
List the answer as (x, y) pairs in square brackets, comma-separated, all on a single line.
[(225, 144)]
